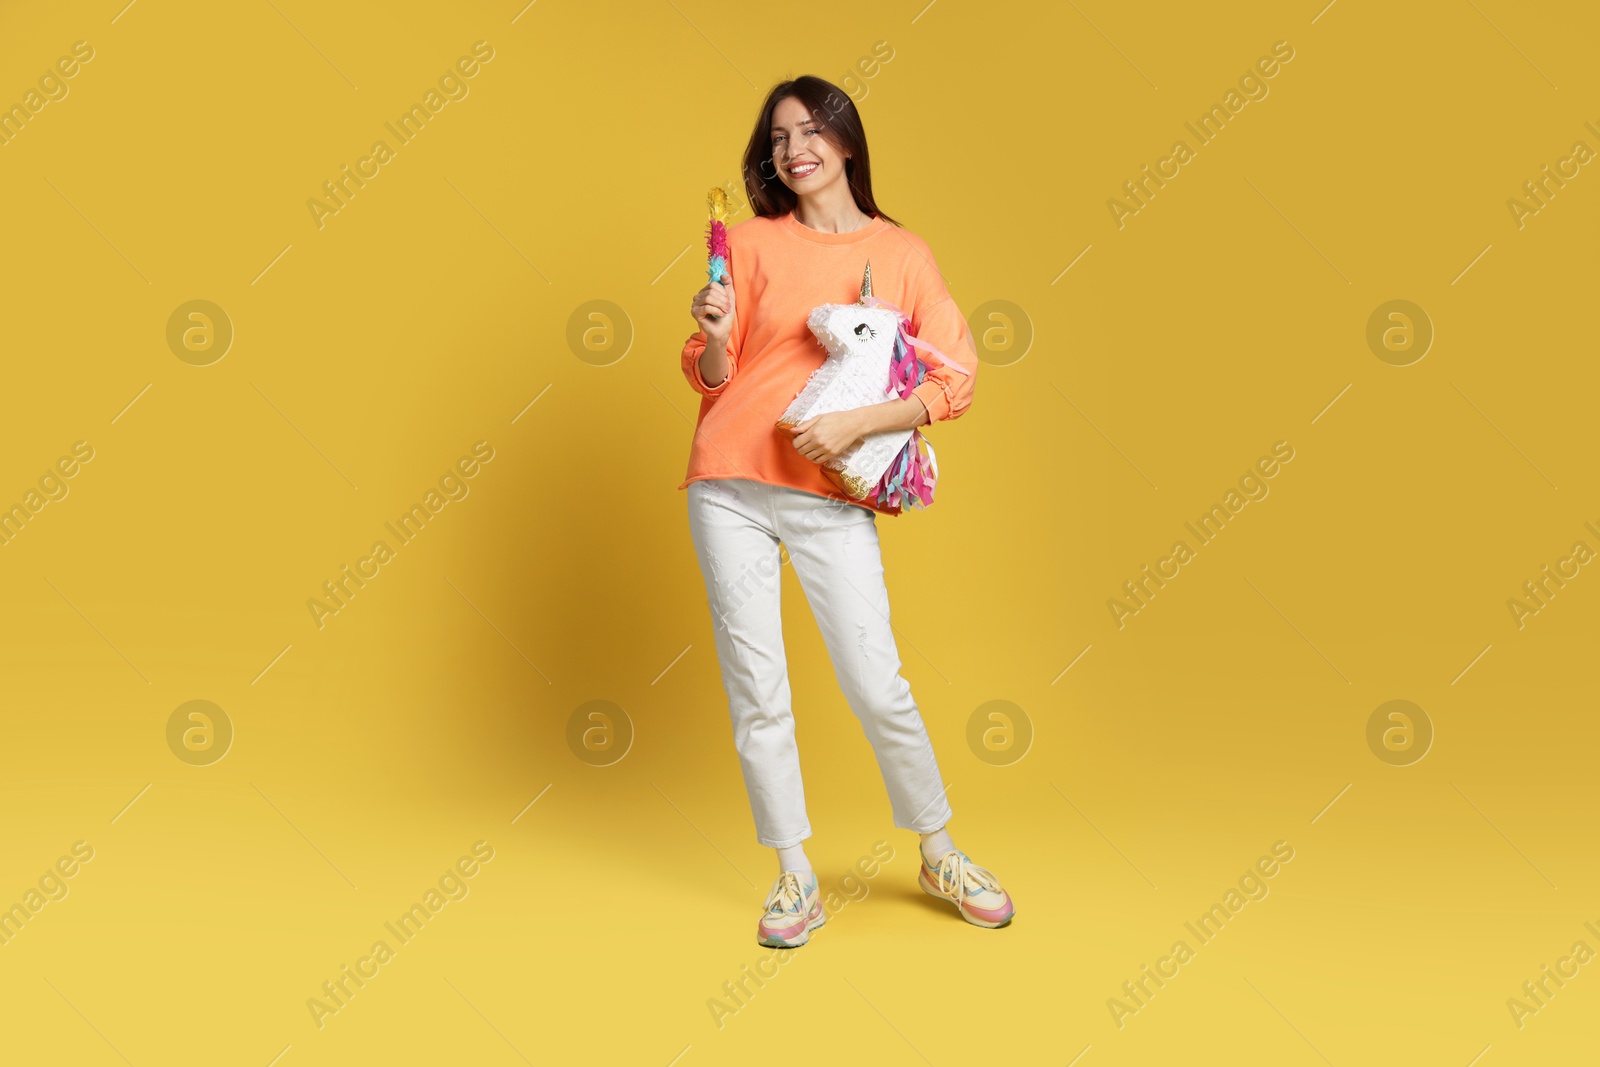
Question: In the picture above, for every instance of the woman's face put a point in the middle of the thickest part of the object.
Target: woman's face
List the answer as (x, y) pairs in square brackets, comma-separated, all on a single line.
[(805, 161)]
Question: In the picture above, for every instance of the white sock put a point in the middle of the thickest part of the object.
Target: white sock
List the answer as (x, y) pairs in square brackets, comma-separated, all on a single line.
[(793, 858), (936, 844)]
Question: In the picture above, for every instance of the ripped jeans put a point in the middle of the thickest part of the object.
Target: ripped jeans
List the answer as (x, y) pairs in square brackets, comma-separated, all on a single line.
[(736, 525)]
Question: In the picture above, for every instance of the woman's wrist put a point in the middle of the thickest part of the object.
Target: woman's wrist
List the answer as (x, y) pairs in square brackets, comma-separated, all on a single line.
[(713, 357), (903, 414)]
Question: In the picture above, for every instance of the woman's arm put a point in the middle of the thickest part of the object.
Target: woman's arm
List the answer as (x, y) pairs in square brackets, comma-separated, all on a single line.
[(824, 437), (711, 356), (715, 367), (709, 365), (905, 414), (945, 393), (936, 319)]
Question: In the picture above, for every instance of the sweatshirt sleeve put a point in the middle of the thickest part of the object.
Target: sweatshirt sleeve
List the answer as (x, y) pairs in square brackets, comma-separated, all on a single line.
[(936, 319), (691, 361)]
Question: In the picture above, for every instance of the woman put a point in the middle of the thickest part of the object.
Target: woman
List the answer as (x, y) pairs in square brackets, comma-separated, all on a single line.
[(751, 485)]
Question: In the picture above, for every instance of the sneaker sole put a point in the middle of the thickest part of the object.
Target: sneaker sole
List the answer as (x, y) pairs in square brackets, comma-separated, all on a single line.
[(805, 935), (973, 919)]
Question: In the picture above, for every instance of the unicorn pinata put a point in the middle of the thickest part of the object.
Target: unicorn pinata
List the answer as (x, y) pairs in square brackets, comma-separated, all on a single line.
[(870, 360)]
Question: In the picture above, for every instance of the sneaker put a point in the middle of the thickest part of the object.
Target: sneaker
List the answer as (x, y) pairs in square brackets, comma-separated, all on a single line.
[(794, 909), (974, 890)]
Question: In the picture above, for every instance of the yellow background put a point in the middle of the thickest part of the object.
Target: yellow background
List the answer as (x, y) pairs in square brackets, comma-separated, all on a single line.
[(432, 310)]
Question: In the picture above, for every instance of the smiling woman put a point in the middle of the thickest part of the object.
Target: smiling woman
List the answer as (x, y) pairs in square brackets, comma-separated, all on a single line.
[(814, 134), (753, 484), (816, 226)]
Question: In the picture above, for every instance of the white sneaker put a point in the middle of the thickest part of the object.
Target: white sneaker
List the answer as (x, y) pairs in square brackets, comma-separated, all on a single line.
[(794, 909)]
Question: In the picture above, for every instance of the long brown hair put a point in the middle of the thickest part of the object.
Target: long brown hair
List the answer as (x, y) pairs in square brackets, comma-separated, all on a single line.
[(840, 122)]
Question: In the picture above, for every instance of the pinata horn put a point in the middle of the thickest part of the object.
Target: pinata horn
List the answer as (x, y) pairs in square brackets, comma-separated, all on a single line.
[(866, 283)]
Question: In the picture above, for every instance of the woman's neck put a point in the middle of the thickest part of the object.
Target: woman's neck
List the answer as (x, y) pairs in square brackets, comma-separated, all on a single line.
[(831, 210)]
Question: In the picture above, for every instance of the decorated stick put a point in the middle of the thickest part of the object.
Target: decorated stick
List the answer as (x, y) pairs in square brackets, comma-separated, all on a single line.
[(717, 238)]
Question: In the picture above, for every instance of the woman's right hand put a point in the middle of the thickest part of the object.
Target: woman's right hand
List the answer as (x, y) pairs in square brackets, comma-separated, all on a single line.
[(716, 299)]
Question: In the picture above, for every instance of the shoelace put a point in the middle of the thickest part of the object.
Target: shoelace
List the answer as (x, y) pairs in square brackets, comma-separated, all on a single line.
[(954, 869), (786, 894)]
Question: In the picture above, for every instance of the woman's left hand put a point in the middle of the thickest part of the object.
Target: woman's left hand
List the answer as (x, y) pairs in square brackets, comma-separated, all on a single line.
[(828, 436)]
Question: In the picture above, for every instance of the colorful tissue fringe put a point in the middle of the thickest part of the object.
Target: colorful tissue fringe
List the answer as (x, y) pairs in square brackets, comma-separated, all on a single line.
[(717, 236), (910, 478)]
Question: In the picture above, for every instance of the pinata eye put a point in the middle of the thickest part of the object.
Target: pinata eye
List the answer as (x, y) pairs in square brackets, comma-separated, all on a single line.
[(864, 330)]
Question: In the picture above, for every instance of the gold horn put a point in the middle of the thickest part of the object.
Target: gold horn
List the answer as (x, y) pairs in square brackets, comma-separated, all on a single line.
[(866, 282)]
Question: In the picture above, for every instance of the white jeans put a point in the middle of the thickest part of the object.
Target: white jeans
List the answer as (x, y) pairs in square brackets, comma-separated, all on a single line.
[(736, 525)]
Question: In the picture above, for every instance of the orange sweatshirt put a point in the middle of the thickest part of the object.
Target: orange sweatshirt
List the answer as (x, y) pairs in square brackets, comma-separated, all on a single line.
[(781, 270)]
